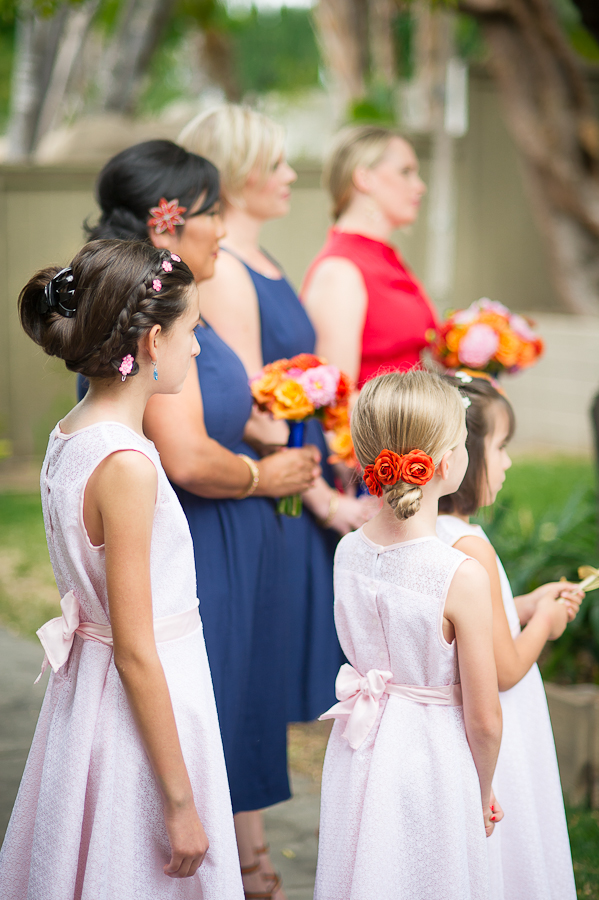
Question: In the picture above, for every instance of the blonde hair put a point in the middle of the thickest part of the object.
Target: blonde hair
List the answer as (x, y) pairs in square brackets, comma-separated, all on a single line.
[(361, 145), (406, 411), (237, 140)]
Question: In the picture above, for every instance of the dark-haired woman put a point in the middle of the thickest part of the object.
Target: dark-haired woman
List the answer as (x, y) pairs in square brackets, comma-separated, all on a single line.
[(225, 488), (125, 784)]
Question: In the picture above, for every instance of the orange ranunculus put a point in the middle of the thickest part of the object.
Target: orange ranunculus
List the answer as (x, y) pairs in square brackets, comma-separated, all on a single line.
[(387, 467), (335, 418), (453, 338), (291, 401), (527, 355), (342, 448), (508, 350), (305, 361), (372, 482), (263, 388), (417, 467), (495, 320), (345, 386)]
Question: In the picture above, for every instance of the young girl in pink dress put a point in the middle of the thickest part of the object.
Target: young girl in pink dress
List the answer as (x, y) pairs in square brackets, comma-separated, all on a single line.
[(125, 791), (406, 791), (529, 855)]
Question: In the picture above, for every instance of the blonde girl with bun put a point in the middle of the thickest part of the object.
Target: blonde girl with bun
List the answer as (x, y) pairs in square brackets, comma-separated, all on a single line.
[(529, 856), (406, 793)]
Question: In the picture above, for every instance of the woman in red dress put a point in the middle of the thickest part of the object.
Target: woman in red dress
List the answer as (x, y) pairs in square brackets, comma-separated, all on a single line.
[(370, 313)]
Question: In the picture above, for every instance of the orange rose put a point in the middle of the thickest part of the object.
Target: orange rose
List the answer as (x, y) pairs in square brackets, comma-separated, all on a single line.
[(495, 320), (453, 338), (372, 482), (343, 448), (417, 467), (508, 350), (335, 418), (527, 355), (387, 467), (452, 361), (345, 386), (291, 401), (264, 387)]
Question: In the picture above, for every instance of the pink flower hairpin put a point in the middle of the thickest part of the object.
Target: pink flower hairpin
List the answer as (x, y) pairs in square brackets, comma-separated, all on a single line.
[(167, 266), (166, 216), (157, 284), (175, 258), (126, 366)]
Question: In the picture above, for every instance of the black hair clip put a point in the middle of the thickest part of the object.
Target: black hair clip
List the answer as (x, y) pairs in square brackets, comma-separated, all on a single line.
[(57, 290)]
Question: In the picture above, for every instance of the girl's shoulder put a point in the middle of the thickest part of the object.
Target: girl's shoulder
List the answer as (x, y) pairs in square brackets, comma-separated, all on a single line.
[(451, 528), (76, 454)]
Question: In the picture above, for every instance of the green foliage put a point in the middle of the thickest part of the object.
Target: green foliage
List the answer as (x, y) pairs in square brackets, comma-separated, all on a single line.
[(544, 526), (377, 107), (7, 38), (275, 50), (583, 828)]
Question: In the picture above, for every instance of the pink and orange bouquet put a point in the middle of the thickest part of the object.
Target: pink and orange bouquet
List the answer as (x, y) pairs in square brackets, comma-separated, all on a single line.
[(302, 388), (486, 337)]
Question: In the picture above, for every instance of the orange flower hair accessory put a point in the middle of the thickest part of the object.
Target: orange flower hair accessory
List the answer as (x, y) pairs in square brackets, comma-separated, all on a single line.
[(415, 467)]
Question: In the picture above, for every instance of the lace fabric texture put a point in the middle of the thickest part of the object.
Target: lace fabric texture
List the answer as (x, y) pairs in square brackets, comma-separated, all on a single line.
[(401, 816), (529, 851), (88, 821)]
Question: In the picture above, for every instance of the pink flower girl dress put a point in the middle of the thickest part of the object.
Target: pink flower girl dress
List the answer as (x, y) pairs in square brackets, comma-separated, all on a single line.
[(401, 810), (88, 821), (529, 851)]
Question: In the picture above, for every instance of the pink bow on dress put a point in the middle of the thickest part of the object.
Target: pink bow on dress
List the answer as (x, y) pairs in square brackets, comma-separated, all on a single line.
[(359, 697), (58, 634)]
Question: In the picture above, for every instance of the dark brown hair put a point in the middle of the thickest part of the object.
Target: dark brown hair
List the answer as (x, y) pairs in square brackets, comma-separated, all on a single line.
[(116, 304), (479, 421)]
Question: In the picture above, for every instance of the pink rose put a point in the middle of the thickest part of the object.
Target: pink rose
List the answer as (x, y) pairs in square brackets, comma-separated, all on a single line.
[(493, 306), (320, 384), (478, 346), (522, 328)]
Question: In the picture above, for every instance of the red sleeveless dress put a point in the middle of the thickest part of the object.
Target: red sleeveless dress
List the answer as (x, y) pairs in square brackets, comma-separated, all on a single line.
[(398, 314)]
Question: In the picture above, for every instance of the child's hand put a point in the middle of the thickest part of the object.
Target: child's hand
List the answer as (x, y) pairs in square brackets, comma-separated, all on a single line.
[(557, 614), (188, 841), (573, 599), (526, 604), (493, 814)]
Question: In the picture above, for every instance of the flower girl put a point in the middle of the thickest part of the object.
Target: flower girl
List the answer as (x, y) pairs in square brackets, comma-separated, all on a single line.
[(529, 856), (406, 792), (125, 792)]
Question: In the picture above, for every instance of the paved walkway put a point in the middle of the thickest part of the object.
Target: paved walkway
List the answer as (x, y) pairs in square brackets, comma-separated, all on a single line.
[(291, 826)]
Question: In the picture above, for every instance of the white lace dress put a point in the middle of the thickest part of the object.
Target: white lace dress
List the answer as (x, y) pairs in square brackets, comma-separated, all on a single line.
[(88, 822), (401, 816), (529, 851)]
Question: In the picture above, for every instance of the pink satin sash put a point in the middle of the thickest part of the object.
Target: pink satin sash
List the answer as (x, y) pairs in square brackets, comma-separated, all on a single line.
[(58, 634), (360, 697)]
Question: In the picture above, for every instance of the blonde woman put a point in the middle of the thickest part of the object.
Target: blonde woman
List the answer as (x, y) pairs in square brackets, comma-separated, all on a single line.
[(370, 313), (252, 306)]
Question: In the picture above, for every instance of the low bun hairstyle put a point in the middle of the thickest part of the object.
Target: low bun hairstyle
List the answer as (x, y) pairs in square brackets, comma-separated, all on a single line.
[(134, 180), (406, 411), (484, 397), (115, 302)]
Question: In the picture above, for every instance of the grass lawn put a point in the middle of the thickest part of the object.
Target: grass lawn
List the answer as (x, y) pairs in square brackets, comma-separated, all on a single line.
[(535, 490)]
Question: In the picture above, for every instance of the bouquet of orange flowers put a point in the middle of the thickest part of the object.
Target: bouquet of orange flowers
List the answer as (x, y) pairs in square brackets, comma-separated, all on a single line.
[(298, 389), (486, 337)]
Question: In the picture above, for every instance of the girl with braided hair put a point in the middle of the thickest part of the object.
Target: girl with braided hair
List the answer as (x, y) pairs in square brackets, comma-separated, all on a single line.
[(161, 193), (125, 790)]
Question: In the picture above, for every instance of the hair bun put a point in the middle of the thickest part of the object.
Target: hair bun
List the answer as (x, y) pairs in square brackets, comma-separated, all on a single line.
[(119, 224)]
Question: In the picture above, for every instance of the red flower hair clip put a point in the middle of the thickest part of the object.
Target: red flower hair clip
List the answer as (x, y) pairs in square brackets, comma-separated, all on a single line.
[(166, 215), (415, 467)]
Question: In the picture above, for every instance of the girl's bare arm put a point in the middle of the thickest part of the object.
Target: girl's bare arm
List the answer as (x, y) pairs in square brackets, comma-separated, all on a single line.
[(119, 512), (514, 656), (468, 608)]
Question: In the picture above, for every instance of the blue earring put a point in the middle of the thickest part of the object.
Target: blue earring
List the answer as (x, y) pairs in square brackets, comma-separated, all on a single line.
[(155, 364)]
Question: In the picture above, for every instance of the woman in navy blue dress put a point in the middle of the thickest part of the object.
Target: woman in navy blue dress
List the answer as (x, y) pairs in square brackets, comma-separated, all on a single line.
[(254, 308), (226, 490)]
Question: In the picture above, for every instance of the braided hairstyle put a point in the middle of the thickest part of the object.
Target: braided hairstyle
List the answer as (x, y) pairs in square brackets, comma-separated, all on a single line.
[(133, 181), (406, 411), (114, 301)]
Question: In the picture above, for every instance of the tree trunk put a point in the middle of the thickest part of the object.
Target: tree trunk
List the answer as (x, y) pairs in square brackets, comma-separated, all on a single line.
[(129, 52), (36, 45), (549, 113), (342, 28), (382, 50)]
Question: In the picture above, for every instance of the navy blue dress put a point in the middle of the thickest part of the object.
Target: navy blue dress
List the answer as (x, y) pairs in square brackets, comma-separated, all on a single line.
[(240, 564), (314, 651)]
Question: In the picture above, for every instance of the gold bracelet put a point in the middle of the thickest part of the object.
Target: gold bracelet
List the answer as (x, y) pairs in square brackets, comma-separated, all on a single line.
[(333, 507), (255, 473)]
